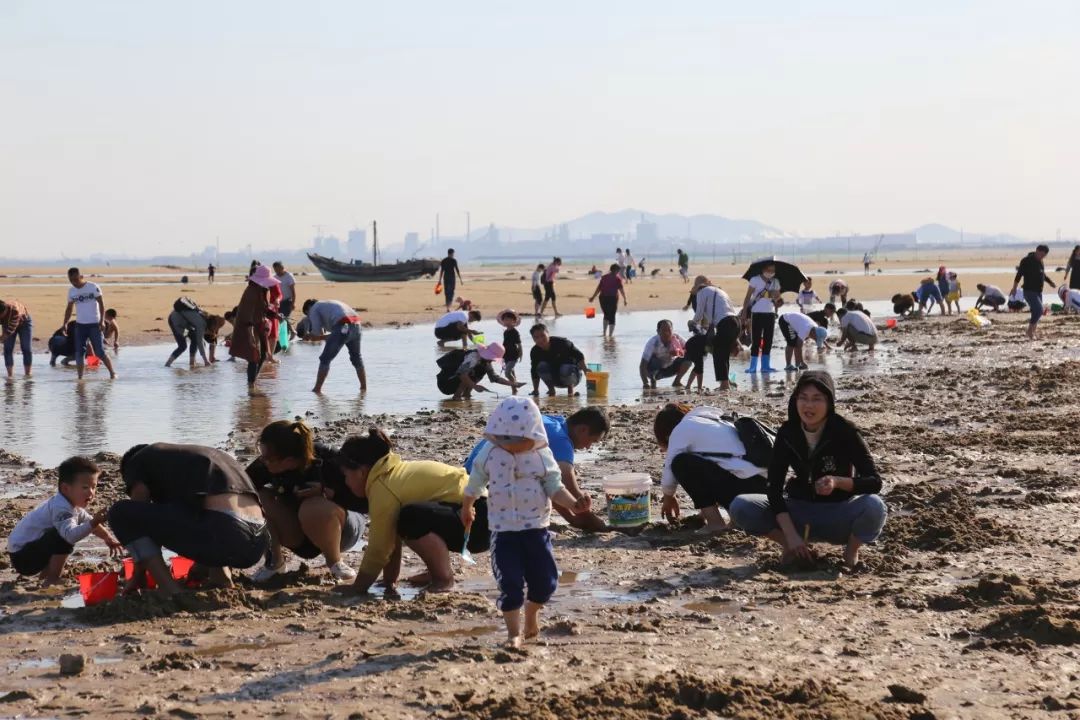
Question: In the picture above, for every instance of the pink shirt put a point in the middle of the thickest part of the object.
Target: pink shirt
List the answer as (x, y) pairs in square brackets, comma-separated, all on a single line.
[(550, 272)]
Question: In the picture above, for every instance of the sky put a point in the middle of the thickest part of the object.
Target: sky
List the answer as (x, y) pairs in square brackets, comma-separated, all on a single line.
[(145, 127)]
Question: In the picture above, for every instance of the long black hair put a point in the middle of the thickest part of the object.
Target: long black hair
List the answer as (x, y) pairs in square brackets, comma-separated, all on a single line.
[(364, 450)]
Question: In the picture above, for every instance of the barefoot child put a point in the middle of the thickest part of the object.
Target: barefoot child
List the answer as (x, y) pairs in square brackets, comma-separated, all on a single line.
[(510, 320), (522, 477), (43, 539), (112, 329)]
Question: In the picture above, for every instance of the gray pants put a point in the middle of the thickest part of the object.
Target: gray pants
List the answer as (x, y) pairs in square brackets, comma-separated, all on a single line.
[(831, 522), (569, 375)]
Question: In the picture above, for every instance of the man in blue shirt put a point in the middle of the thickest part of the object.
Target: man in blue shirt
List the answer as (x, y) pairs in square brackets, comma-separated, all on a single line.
[(565, 435)]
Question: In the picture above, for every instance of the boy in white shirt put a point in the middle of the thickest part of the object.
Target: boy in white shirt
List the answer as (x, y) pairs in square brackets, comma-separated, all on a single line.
[(43, 539), (522, 478), (84, 298)]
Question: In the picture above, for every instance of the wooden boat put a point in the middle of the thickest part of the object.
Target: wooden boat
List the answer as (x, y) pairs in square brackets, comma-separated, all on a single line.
[(355, 271)]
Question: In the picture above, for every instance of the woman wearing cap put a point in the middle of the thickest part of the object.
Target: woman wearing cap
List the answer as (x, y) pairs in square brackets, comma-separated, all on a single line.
[(759, 310), (472, 365), (308, 507), (250, 325), (713, 311), (415, 503), (833, 493), (512, 349), (609, 289)]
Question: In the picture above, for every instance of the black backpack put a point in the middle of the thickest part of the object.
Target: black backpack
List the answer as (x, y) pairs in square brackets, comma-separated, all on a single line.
[(451, 361), (757, 440), (183, 304)]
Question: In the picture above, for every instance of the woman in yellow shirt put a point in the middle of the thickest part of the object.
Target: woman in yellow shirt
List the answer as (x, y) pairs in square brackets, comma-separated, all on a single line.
[(418, 502)]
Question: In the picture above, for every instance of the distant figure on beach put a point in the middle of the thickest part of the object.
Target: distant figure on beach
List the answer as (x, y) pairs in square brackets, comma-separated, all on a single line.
[(953, 298), (609, 289), (796, 328), (415, 504), (210, 270), (990, 296), (250, 338), (537, 287), (196, 501), (339, 325), (42, 540), (84, 299), (16, 324), (1072, 269), (684, 265), (641, 266), (112, 329), (928, 293), (308, 507), (550, 273), (1070, 298), (449, 274), (832, 495), (717, 322), (807, 296), (579, 431), (518, 474), (620, 260), (188, 324), (866, 263), (664, 356), (942, 279), (513, 351), (62, 344), (556, 361), (1033, 274), (856, 328), (838, 289), (460, 371), (704, 455), (455, 326), (759, 313), (1016, 300), (288, 289), (629, 270)]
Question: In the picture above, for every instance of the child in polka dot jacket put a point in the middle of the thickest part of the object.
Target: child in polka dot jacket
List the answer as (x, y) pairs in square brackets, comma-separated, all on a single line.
[(522, 479)]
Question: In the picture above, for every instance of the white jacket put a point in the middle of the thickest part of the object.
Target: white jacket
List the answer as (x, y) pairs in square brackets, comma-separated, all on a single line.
[(703, 430)]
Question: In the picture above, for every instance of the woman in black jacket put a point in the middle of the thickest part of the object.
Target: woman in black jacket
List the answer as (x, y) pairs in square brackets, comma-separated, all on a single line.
[(832, 495)]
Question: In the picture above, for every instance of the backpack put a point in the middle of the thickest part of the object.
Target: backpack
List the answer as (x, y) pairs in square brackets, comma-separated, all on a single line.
[(184, 304), (451, 361), (757, 440)]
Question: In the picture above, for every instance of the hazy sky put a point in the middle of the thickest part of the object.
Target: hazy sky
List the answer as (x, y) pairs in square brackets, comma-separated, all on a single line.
[(154, 127)]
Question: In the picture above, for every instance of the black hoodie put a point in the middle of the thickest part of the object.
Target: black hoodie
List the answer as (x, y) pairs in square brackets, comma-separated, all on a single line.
[(841, 451)]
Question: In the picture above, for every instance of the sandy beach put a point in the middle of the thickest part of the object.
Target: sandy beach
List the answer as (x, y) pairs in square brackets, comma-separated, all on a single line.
[(144, 303), (969, 609)]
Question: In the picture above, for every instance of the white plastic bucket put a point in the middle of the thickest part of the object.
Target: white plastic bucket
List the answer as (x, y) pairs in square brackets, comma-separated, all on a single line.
[(628, 496)]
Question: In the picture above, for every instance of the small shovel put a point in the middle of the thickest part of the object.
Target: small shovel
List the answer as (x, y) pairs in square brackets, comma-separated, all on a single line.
[(465, 554)]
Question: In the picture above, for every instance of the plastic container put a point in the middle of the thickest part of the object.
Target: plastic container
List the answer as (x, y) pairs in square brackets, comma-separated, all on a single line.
[(438, 288), (283, 335), (590, 312), (627, 497), (180, 567), (129, 570), (478, 338), (98, 587), (596, 384), (92, 360), (593, 367), (890, 323)]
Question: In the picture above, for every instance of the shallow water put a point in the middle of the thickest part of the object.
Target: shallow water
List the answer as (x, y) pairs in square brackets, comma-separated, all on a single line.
[(53, 415)]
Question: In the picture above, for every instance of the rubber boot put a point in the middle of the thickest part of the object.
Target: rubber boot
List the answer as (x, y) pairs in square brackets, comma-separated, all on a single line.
[(766, 367), (753, 364)]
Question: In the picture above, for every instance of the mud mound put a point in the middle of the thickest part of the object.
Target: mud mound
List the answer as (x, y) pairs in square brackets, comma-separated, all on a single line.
[(302, 576), (1004, 590), (1043, 625), (150, 605), (945, 522), (684, 696)]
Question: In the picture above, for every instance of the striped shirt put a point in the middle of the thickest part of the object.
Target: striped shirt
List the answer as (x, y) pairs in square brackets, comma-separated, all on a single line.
[(15, 313)]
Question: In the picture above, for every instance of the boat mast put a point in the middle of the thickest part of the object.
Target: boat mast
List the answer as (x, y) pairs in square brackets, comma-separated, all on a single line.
[(375, 241)]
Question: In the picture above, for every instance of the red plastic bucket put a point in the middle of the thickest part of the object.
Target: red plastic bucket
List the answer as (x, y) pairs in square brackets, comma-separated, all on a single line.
[(129, 570), (98, 587), (181, 566), (590, 312)]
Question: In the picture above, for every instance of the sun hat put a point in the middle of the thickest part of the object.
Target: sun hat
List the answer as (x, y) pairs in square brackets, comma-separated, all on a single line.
[(262, 276), (494, 351), (508, 318)]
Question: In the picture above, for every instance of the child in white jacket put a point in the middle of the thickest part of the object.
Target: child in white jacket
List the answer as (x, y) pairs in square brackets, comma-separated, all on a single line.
[(522, 479)]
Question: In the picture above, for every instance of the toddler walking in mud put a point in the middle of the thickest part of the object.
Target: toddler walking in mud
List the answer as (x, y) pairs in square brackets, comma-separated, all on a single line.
[(43, 539), (519, 471)]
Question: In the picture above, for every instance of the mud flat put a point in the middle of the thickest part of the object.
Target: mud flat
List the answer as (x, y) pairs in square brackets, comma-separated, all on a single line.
[(970, 607)]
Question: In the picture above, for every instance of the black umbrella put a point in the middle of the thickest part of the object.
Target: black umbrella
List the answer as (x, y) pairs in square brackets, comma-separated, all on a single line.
[(790, 276)]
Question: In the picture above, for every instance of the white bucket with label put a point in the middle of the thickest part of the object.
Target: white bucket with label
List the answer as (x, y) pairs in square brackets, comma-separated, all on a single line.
[(628, 496)]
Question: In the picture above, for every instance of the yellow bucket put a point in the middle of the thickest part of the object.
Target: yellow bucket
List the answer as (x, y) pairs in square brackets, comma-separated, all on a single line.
[(596, 384)]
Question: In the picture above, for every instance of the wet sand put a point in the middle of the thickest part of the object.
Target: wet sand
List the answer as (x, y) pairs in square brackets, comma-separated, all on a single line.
[(969, 610), (144, 303)]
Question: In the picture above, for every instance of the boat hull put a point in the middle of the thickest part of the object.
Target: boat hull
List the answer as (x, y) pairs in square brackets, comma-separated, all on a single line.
[(337, 271)]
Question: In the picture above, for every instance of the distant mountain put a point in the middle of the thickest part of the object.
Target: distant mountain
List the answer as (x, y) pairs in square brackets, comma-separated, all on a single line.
[(938, 234)]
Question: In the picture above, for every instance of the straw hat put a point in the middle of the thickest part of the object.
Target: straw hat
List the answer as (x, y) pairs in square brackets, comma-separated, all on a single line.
[(262, 276), (508, 318)]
